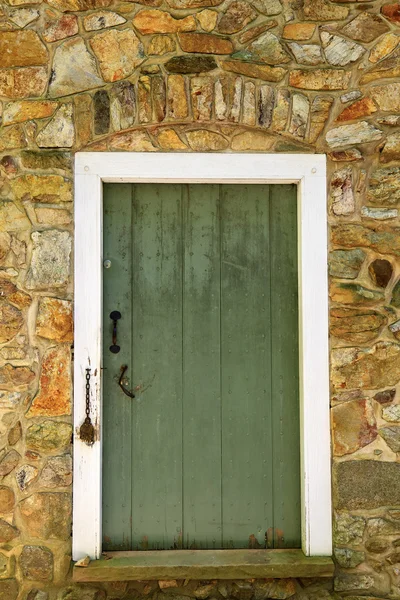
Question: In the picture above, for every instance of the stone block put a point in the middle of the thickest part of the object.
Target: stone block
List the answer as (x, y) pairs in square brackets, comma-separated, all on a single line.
[(366, 484)]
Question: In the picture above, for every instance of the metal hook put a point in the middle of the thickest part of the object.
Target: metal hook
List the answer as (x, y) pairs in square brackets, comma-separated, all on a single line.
[(124, 368)]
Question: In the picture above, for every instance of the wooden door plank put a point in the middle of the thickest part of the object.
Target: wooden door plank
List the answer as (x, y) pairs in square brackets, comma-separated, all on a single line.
[(285, 367), (246, 366), (117, 408), (157, 367), (201, 369)]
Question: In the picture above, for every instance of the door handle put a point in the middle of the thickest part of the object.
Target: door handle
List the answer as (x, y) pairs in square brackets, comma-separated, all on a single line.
[(124, 368), (115, 316)]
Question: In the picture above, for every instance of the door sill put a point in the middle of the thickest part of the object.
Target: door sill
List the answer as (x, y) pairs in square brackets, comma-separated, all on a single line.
[(204, 564)]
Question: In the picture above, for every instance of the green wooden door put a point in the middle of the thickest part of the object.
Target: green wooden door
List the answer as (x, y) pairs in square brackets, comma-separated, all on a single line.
[(207, 454)]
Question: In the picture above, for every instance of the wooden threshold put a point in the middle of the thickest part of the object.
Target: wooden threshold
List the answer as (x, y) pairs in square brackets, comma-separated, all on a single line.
[(204, 564)]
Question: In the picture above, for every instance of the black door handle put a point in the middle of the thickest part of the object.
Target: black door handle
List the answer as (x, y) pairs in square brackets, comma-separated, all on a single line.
[(115, 316)]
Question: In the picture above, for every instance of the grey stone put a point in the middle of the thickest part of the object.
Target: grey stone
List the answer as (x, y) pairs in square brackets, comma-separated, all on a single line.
[(350, 96), (395, 301), (59, 132), (265, 105), (348, 529), (50, 262), (348, 558), (391, 413), (123, 105), (365, 27), (391, 435), (46, 515), (342, 196), (357, 133), (299, 116), (346, 264), (37, 595), (3, 563), (36, 563), (347, 583), (366, 484), (380, 526), (339, 51), (10, 399), (74, 69), (380, 214), (267, 7), (57, 472), (306, 54), (23, 16), (25, 475), (389, 120), (266, 49)]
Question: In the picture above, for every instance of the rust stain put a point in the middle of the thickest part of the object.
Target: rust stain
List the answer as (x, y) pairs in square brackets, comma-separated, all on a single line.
[(279, 538), (253, 542), (144, 544)]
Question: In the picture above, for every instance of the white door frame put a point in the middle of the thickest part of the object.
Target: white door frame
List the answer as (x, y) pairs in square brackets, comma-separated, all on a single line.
[(309, 173)]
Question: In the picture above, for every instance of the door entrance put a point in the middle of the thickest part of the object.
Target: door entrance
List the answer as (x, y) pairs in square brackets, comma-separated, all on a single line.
[(206, 454)]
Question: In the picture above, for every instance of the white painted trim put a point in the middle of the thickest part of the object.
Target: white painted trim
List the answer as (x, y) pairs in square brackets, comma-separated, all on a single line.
[(309, 172)]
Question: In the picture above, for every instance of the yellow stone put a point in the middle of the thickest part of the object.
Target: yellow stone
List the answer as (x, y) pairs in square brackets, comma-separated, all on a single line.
[(169, 140), (158, 21), (12, 137), (264, 72), (384, 47), (54, 396), (17, 112), (161, 44), (53, 216), (23, 82), (298, 31), (320, 79), (12, 218), (134, 141), (177, 100), (253, 140), (207, 19), (202, 140), (22, 49), (119, 52), (42, 188), (54, 320)]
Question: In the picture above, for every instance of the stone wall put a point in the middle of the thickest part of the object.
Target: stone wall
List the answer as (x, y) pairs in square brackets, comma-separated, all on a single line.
[(198, 75)]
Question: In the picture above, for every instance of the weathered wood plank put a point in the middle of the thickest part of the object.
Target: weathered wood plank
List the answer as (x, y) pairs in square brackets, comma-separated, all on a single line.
[(117, 408), (285, 367), (201, 368), (204, 564), (157, 367)]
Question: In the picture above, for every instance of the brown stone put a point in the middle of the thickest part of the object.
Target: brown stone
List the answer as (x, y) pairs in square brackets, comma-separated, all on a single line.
[(15, 434), (356, 325), (319, 113), (384, 186), (17, 112), (386, 68), (7, 499), (54, 320), (190, 64), (264, 72), (176, 96), (365, 27), (83, 124), (158, 21), (256, 141), (320, 79), (385, 397), (254, 32), (376, 545), (7, 533), (54, 396), (193, 3), (52, 216), (134, 141), (57, 472), (391, 148), (384, 241), (23, 82), (201, 90), (321, 10), (36, 563), (237, 15), (169, 140), (298, 31), (9, 462), (42, 188), (279, 589), (366, 484), (22, 49), (119, 52), (10, 292), (47, 515), (368, 369), (391, 12), (380, 271), (15, 376), (78, 5), (202, 140), (60, 28), (353, 426), (360, 108), (205, 43)]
